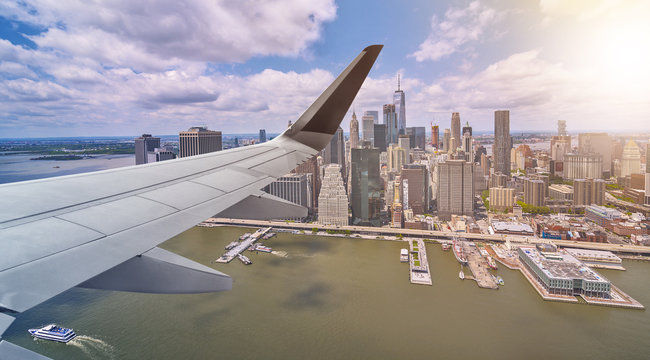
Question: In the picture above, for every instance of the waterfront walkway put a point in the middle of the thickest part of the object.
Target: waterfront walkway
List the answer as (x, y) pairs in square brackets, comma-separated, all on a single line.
[(418, 263)]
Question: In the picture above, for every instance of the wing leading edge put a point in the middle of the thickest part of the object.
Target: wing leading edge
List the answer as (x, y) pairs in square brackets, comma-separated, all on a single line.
[(60, 232)]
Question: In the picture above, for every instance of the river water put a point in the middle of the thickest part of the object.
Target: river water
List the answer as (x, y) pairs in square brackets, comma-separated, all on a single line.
[(339, 298)]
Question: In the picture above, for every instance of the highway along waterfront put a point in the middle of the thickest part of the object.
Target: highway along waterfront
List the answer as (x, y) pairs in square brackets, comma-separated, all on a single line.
[(340, 298)]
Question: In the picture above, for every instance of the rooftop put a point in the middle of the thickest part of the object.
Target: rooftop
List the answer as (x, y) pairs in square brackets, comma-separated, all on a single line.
[(565, 267)]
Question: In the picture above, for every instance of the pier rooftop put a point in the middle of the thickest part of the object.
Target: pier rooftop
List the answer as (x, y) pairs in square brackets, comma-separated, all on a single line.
[(561, 266)]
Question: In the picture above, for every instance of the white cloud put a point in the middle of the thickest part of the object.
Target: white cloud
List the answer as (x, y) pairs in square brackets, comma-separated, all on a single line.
[(459, 28)]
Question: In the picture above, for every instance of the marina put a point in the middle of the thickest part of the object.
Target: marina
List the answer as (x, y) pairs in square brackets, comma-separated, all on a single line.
[(478, 265), (234, 249)]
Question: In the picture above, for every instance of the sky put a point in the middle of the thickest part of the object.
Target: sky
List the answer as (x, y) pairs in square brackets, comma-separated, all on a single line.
[(121, 67)]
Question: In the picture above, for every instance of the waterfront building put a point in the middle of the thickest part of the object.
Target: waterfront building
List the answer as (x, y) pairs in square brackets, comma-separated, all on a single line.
[(366, 186), (295, 188), (397, 215), (399, 103), (501, 198), (416, 195), (631, 159), (446, 141), (583, 166), (502, 142), (563, 274), (143, 146), (561, 192), (455, 193), (455, 128), (198, 140), (262, 137), (534, 192), (390, 120), (354, 131), (368, 127), (588, 191), (312, 168), (599, 143), (332, 199), (435, 136), (379, 137)]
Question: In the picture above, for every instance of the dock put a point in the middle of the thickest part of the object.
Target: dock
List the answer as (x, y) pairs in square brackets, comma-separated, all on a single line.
[(478, 266), (229, 255), (418, 263)]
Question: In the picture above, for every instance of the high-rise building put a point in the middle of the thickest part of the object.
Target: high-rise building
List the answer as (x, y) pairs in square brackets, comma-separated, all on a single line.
[(498, 179), (583, 166), (631, 159), (199, 140), (435, 136), (455, 127), (397, 157), (374, 114), (390, 120), (417, 137), (485, 165), (399, 102), (379, 137), (163, 154), (599, 143), (501, 198), (588, 191), (311, 168), (397, 215), (366, 186), (455, 188), (295, 188), (368, 127), (354, 131), (416, 196), (332, 200), (446, 140), (560, 146), (143, 146), (468, 143), (262, 137), (334, 152), (534, 192), (561, 128), (647, 174), (502, 142)]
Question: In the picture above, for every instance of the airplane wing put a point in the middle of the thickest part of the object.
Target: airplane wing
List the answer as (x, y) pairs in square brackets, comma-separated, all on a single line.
[(101, 229)]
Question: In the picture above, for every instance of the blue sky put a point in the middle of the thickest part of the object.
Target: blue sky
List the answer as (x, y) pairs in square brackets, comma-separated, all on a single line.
[(120, 68)]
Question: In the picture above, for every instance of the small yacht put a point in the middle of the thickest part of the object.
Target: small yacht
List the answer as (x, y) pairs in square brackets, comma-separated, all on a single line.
[(54, 333)]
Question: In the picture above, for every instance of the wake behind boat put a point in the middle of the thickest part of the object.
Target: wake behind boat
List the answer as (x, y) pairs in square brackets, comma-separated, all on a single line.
[(54, 333)]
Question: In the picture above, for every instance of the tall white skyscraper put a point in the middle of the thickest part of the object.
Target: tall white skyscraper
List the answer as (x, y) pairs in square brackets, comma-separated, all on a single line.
[(354, 131), (502, 142), (400, 108), (368, 126)]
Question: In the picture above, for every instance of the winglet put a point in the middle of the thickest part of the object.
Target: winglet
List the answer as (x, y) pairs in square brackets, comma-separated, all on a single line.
[(317, 125)]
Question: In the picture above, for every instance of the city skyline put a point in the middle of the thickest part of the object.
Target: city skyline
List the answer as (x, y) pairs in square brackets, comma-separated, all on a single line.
[(543, 61)]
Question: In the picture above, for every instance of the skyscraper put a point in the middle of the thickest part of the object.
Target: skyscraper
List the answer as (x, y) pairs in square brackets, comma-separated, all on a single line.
[(374, 114), (397, 218), (435, 136), (366, 186), (631, 159), (599, 143), (417, 137), (396, 157), (455, 126), (379, 137), (143, 146), (534, 192), (400, 108), (446, 139), (583, 166), (390, 120), (468, 143), (417, 194), (311, 168), (501, 198), (368, 127), (334, 152), (502, 142), (199, 140), (561, 128), (588, 191), (647, 174), (455, 188), (262, 138), (332, 200), (354, 131), (295, 188)]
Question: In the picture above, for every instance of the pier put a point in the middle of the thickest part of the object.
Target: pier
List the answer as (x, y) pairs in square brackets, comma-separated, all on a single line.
[(229, 255), (418, 263), (478, 266)]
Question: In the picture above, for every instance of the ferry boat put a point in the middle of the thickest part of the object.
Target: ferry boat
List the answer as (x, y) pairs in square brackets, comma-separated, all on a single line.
[(244, 259), (404, 255), (268, 236), (446, 246), (458, 252), (54, 333), (500, 280), (244, 237), (461, 274), (231, 245), (263, 248), (491, 262)]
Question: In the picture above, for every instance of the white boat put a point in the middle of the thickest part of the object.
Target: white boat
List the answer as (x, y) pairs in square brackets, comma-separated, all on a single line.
[(461, 275), (231, 245), (263, 248), (54, 333), (244, 259), (404, 255)]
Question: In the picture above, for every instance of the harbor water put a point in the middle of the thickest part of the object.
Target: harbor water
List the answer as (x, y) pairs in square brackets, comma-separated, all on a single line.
[(339, 298)]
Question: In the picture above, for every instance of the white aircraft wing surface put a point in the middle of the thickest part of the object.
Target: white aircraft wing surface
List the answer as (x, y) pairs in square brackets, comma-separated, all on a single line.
[(101, 229)]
